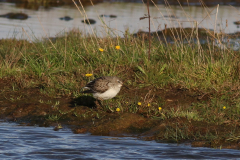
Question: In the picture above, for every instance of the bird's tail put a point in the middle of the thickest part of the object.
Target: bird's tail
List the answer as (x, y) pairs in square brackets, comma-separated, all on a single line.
[(86, 90)]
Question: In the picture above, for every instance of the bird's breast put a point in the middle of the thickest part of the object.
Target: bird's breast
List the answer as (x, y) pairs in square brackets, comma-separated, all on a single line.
[(110, 93)]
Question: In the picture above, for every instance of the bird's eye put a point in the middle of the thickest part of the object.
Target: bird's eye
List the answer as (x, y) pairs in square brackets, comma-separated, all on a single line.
[(119, 81)]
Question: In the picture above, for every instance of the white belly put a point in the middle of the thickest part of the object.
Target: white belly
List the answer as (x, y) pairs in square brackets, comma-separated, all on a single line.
[(107, 95)]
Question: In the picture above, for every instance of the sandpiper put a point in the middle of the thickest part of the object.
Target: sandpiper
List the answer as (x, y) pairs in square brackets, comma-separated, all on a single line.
[(104, 88)]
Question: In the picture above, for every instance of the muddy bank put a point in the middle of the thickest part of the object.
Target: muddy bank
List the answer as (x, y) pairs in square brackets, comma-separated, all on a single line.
[(54, 3), (179, 34), (203, 2), (193, 36), (31, 107), (35, 5)]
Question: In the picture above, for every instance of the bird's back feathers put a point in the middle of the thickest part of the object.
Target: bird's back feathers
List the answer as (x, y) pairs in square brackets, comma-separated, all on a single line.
[(97, 85)]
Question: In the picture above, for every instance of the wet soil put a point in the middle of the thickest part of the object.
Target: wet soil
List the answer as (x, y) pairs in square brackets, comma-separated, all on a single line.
[(20, 16), (30, 106), (173, 34)]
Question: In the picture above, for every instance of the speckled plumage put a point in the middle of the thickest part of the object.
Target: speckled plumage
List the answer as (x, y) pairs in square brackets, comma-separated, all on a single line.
[(104, 88)]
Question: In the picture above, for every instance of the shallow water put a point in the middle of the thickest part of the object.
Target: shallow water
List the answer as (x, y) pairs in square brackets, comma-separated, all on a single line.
[(29, 142), (47, 22)]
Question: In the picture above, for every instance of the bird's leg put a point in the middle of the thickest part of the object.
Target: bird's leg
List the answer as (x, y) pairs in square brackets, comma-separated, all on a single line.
[(98, 103), (108, 107)]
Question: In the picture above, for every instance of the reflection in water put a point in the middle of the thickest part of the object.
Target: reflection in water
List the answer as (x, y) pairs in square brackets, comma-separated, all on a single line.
[(27, 142)]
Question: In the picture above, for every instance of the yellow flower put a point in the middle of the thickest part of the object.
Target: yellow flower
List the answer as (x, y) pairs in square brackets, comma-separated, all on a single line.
[(101, 50), (117, 47), (159, 108), (149, 104), (139, 103), (88, 75), (224, 107), (118, 109)]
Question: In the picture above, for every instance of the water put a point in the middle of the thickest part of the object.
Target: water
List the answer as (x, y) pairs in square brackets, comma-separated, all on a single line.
[(29, 142), (47, 22)]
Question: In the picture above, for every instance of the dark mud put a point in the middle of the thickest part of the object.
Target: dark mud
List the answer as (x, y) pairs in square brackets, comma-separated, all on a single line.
[(66, 18), (30, 106), (19, 16), (88, 21), (177, 34)]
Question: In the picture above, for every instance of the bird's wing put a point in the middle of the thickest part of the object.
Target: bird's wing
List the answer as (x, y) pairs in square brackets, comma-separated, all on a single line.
[(98, 85)]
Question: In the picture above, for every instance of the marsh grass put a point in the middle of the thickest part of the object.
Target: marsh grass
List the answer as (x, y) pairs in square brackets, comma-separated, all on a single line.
[(59, 68)]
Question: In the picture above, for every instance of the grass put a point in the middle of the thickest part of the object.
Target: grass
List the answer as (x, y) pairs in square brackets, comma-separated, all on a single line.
[(60, 69), (206, 74)]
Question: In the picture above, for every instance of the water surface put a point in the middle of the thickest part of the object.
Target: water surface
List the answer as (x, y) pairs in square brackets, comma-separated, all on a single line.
[(47, 22), (29, 142)]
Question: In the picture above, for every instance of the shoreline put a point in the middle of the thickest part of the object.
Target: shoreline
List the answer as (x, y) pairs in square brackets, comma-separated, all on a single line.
[(183, 93)]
